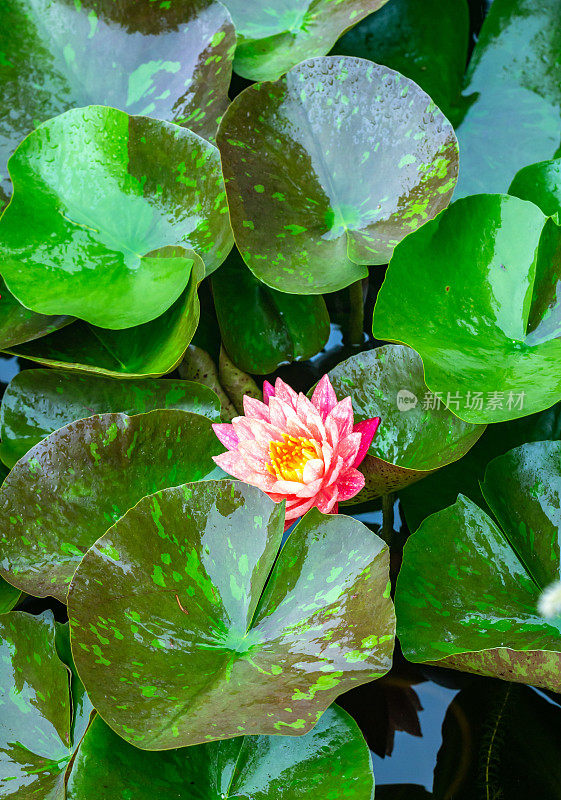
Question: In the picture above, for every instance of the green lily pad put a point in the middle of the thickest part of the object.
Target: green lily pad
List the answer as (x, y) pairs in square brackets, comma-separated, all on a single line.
[(100, 202), (512, 95), (484, 316), (331, 761), (9, 596), (262, 328), (18, 324), (440, 490), (273, 36), (468, 589), (45, 742), (72, 486), (151, 349), (414, 439), (426, 42), (40, 401), (507, 739), (172, 61), (291, 152), (181, 636), (540, 184), (35, 725)]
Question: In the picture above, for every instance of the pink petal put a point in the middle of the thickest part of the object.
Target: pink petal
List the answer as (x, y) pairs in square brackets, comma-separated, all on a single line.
[(237, 467), (255, 408), (335, 509), (226, 434), (343, 417), (348, 448), (335, 471), (324, 397), (326, 501), (257, 429), (286, 393), (278, 411), (350, 484), (313, 470), (268, 391), (367, 429), (299, 509)]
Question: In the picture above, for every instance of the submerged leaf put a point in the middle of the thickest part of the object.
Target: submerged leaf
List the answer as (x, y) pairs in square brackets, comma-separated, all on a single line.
[(181, 635), (262, 328)]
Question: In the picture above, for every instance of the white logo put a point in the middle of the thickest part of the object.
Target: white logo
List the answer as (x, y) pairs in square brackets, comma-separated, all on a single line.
[(406, 400)]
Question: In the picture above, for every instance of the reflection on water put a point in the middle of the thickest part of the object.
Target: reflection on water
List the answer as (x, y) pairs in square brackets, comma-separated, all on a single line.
[(414, 757)]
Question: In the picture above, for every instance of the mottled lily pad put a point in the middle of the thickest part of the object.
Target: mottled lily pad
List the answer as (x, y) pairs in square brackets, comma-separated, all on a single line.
[(329, 168), (172, 61), (481, 308), (72, 486), (441, 489), (101, 203), (40, 401), (48, 740), (35, 724), (512, 95), (332, 760), (151, 349), (182, 636), (262, 328), (468, 589), (426, 41), (416, 436), (275, 36)]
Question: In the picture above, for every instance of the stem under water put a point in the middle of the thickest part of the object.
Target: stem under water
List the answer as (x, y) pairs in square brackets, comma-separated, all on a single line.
[(356, 315), (387, 533)]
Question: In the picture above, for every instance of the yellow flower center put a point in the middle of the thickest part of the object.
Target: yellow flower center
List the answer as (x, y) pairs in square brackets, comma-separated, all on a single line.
[(289, 457)]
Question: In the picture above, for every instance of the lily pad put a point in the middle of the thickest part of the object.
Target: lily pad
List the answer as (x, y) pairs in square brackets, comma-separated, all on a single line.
[(481, 307), (72, 486), (35, 725), (332, 760), (512, 95), (182, 636), (151, 349), (541, 184), (101, 201), (262, 328), (48, 740), (40, 401), (468, 589), (415, 438), (441, 489), (273, 36), (18, 324), (172, 61), (291, 152), (426, 41)]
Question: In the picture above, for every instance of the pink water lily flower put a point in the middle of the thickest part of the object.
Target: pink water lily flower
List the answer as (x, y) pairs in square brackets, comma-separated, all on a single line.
[(303, 451)]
